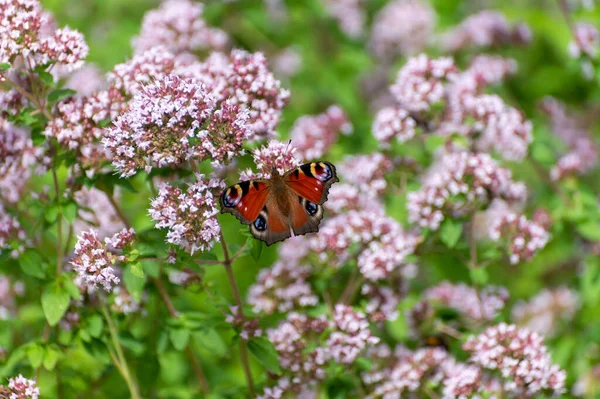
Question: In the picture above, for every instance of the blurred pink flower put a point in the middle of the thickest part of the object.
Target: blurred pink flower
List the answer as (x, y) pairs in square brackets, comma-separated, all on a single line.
[(17, 156), (544, 312), (349, 14), (178, 25), (312, 136), (586, 41), (484, 29), (402, 27), (366, 172), (282, 288), (525, 237), (393, 123)]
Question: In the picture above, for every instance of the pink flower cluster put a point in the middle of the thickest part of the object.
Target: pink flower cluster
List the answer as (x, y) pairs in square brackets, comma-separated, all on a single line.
[(307, 345), (544, 312), (583, 153), (282, 288), (96, 210), (393, 122), (421, 82), (178, 25), (17, 156), (248, 328), (586, 41), (427, 85), (349, 14), (77, 121), (20, 388), (520, 356), (9, 291), (458, 184), (402, 27), (94, 262), (189, 216), (366, 172), (30, 39), (312, 136), (275, 156), (526, 238), (485, 29), (163, 126), (143, 69), (482, 305), (10, 230)]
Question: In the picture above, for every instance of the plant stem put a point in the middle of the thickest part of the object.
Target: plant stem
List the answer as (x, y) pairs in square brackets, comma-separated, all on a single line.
[(59, 245), (188, 349), (353, 284), (31, 98), (119, 359), (117, 209), (238, 300)]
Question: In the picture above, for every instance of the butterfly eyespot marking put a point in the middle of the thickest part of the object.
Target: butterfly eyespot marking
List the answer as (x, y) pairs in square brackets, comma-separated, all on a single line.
[(232, 198), (321, 171), (260, 223), (311, 208)]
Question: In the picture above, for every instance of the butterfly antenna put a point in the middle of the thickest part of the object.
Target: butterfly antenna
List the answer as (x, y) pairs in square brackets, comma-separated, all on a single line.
[(288, 145)]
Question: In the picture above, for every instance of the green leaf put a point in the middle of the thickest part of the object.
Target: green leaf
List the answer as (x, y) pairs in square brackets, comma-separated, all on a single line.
[(51, 357), (55, 302), (59, 94), (51, 213), (70, 286), (265, 353), (590, 230), (136, 269), (94, 325), (543, 154), (70, 211), (179, 338), (433, 141), (35, 354), (46, 77), (450, 232), (133, 282), (479, 275), (256, 248), (31, 263), (5, 66)]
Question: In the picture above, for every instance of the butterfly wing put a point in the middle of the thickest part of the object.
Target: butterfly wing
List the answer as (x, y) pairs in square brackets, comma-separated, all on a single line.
[(310, 183), (250, 202), (245, 200), (271, 225)]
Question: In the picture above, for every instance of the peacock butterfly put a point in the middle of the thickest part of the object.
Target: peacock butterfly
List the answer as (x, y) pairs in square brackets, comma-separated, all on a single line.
[(277, 207)]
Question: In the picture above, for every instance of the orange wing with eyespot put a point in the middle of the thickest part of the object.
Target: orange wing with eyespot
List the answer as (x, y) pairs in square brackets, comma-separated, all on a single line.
[(245, 200), (312, 181)]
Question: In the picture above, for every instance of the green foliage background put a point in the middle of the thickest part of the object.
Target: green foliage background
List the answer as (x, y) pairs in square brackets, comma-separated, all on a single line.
[(334, 69)]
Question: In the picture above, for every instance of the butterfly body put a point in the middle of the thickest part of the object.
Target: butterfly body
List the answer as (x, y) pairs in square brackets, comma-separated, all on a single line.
[(284, 205)]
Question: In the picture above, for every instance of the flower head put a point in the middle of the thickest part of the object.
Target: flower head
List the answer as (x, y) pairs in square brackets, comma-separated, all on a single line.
[(312, 136), (520, 356), (544, 312), (586, 41), (457, 184), (281, 288), (421, 82), (190, 215), (393, 123), (161, 127), (178, 25), (402, 28), (21, 388), (94, 263)]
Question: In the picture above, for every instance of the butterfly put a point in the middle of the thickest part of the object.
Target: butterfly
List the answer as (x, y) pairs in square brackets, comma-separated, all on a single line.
[(283, 205)]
